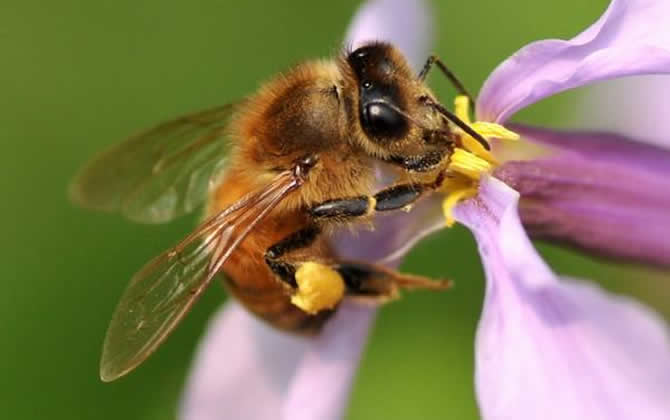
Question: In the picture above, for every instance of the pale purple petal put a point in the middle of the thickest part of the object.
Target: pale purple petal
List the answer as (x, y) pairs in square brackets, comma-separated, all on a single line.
[(244, 369), (241, 370), (635, 106), (631, 38), (555, 349), (601, 192), (321, 385), (405, 24)]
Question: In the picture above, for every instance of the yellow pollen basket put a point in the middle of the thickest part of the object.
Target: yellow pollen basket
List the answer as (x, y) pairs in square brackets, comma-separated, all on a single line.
[(470, 161), (319, 287)]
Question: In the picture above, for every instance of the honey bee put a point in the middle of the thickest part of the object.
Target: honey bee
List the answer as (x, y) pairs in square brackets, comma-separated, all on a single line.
[(278, 172)]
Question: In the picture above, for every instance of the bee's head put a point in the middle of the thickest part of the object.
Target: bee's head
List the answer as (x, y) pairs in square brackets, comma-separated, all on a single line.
[(380, 100), (385, 103)]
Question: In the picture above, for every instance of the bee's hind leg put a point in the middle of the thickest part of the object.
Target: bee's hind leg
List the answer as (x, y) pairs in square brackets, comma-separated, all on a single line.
[(318, 285), (375, 283), (314, 286), (275, 256)]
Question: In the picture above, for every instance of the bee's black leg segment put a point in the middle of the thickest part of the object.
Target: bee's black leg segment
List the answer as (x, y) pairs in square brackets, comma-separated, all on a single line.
[(377, 282), (355, 276), (342, 208), (299, 239), (392, 198), (402, 195), (398, 196), (285, 271), (274, 255), (388, 199), (435, 60)]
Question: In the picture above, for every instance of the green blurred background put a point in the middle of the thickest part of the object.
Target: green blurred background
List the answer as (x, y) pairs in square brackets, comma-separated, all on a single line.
[(77, 76)]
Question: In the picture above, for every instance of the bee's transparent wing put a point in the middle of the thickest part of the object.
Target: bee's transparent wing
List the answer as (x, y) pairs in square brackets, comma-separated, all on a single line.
[(163, 291), (159, 174)]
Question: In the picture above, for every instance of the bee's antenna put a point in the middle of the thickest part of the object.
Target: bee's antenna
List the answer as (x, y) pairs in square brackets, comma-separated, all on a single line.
[(404, 114), (460, 87), (412, 119), (451, 116), (460, 123)]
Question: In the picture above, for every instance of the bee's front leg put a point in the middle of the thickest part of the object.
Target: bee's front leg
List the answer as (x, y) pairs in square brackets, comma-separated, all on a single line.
[(397, 197)]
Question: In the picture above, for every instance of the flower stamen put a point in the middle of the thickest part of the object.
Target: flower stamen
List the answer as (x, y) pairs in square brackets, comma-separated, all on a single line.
[(469, 164), (471, 160), (454, 198)]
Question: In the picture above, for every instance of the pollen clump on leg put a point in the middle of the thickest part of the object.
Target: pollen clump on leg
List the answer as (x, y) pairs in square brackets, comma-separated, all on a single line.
[(319, 287), (471, 160)]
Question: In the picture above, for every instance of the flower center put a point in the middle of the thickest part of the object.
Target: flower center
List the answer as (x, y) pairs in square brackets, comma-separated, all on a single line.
[(471, 160)]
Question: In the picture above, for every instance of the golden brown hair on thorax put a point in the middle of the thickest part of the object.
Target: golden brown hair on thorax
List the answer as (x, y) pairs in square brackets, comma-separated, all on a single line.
[(295, 114)]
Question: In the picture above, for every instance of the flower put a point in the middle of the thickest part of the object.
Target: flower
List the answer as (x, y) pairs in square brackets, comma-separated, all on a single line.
[(547, 347)]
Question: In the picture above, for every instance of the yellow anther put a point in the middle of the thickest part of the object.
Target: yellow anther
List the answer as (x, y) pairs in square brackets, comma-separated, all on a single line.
[(472, 145), (454, 198), (455, 183), (319, 287), (488, 130), (471, 160), (493, 130), (469, 164), (462, 108)]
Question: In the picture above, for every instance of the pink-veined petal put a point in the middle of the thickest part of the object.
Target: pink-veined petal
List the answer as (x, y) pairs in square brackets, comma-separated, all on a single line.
[(244, 369), (601, 192), (550, 348), (405, 24), (632, 37)]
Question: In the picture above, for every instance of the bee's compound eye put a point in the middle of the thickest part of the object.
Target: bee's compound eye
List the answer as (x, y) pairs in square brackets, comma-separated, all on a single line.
[(380, 120), (360, 53)]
